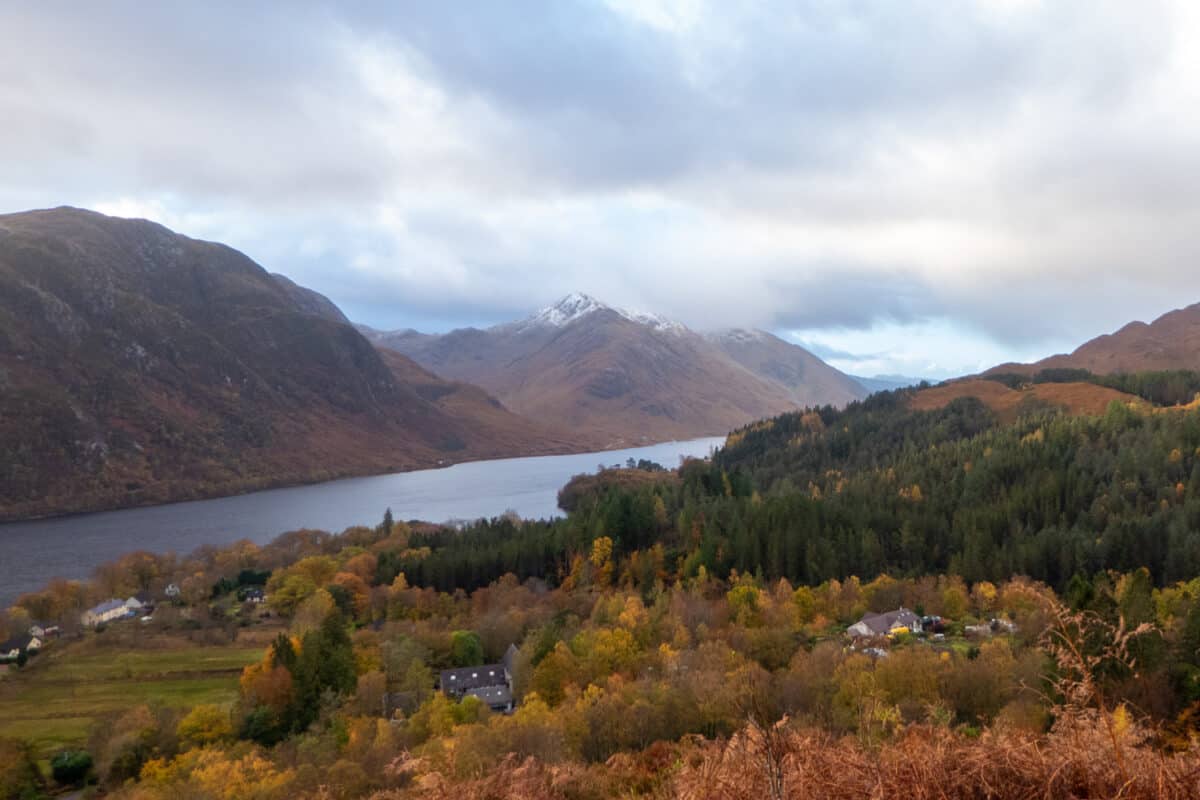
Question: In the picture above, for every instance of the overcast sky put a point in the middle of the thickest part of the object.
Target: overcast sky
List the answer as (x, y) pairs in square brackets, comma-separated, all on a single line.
[(925, 188)]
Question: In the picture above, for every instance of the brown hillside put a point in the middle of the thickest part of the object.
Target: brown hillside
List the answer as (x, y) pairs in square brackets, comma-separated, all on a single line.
[(808, 379), (628, 379), (141, 366), (1170, 342), (501, 432), (1076, 398)]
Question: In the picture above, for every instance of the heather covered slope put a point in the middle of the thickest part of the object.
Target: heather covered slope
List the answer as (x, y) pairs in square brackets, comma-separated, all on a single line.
[(627, 377), (138, 365), (1008, 403), (1171, 342)]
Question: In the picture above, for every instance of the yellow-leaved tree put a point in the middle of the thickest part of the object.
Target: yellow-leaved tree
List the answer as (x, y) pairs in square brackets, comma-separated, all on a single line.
[(205, 725)]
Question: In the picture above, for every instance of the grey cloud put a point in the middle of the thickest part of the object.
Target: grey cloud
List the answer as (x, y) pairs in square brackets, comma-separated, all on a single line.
[(1028, 150), (850, 297), (604, 100)]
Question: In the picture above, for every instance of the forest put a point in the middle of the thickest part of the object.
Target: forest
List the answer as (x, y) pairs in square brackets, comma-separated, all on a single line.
[(873, 489), (682, 633)]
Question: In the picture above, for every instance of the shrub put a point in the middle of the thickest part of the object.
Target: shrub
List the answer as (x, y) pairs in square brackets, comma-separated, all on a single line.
[(71, 767)]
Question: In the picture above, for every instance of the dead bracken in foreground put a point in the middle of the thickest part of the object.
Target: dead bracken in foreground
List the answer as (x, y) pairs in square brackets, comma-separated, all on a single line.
[(924, 763)]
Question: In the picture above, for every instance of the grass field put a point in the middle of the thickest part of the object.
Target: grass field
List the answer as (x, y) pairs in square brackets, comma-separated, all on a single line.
[(55, 701)]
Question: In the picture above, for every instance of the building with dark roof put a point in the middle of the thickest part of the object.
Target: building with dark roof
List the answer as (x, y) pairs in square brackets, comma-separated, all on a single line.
[(491, 683), (12, 649)]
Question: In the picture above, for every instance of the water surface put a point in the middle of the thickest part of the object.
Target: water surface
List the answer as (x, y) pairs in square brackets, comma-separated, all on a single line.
[(31, 553)]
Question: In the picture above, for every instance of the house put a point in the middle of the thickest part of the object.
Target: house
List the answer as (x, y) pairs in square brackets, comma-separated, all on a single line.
[(252, 594), (892, 622), (992, 627), (43, 630), (105, 612), (491, 683), (12, 649), (140, 602), (172, 591)]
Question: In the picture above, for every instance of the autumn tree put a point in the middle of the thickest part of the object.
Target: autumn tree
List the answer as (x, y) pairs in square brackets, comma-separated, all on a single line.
[(205, 725)]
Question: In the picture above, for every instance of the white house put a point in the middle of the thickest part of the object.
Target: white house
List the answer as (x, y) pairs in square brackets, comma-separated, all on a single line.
[(11, 650), (43, 630), (872, 625), (105, 612)]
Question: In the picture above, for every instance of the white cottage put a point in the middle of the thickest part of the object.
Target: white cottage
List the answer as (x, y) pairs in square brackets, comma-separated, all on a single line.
[(105, 612)]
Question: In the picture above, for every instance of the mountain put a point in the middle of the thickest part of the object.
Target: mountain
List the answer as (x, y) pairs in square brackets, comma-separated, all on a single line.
[(1170, 342), (138, 365), (309, 301), (808, 379), (629, 377), (886, 383)]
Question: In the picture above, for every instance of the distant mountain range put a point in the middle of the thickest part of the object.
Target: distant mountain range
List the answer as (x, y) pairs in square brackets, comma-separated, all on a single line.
[(886, 383), (138, 365), (1170, 342), (631, 377)]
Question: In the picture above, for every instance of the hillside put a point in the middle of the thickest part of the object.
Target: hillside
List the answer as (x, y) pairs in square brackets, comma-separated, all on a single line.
[(309, 301), (630, 378), (808, 379), (1007, 404), (1171, 342), (138, 366)]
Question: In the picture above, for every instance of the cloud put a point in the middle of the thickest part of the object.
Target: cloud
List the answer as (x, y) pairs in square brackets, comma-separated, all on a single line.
[(1016, 174)]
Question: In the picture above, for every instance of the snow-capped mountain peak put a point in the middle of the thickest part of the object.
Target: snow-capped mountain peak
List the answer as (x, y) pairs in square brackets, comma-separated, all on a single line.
[(574, 306), (578, 305)]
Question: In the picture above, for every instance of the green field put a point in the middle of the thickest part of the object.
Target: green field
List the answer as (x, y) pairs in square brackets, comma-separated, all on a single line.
[(57, 698)]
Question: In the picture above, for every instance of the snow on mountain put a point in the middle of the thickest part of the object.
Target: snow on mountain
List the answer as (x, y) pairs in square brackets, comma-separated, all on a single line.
[(739, 335), (578, 305)]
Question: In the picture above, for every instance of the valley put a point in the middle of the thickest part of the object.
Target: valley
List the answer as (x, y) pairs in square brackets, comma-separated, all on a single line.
[(569, 401)]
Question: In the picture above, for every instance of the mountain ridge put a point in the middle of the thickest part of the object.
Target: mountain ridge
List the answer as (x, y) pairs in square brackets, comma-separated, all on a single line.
[(138, 366), (1171, 341), (629, 376)]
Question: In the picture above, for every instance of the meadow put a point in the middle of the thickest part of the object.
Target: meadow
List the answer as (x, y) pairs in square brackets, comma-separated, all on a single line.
[(55, 701)]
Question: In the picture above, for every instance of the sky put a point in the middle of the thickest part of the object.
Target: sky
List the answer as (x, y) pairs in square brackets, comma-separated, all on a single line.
[(922, 188)]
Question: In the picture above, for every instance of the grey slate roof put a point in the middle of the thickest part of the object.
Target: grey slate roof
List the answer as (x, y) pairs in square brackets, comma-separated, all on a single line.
[(107, 605), (16, 643), (495, 696), (463, 679), (882, 623)]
